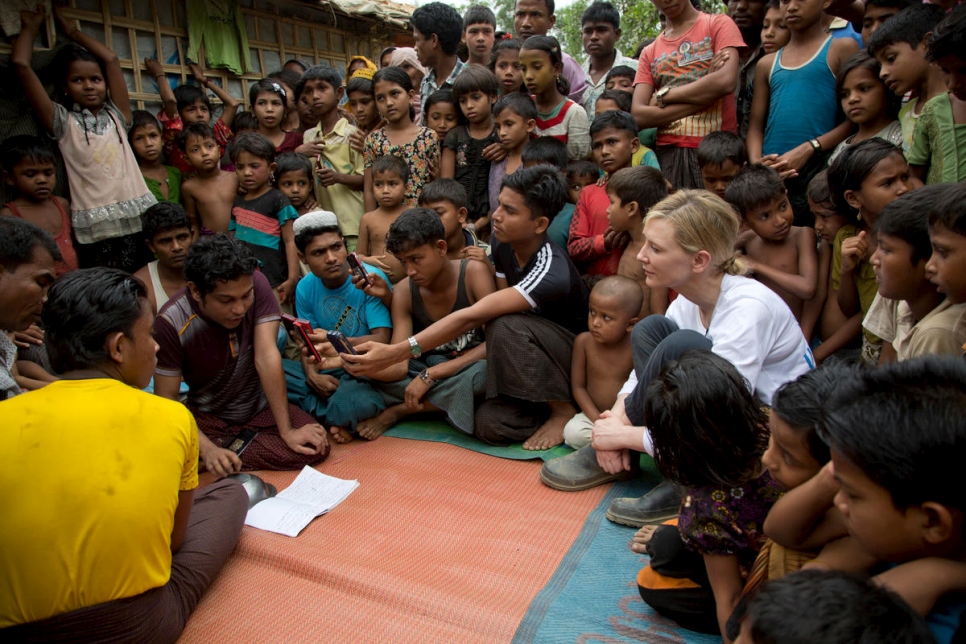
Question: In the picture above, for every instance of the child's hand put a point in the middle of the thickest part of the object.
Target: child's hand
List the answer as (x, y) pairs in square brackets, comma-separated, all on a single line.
[(66, 25), (321, 383), (376, 260), (434, 170), (415, 392), (602, 181), (154, 67), (797, 157), (719, 60), (377, 288), (321, 343), (853, 250), (286, 291), (750, 265), (198, 72), (475, 253), (34, 335), (329, 177), (357, 140), (781, 167), (32, 20), (310, 150), (614, 239), (310, 204), (494, 152)]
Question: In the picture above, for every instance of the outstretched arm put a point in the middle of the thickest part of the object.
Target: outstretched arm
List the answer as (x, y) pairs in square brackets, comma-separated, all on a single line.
[(164, 87), (230, 102), (23, 49), (116, 84)]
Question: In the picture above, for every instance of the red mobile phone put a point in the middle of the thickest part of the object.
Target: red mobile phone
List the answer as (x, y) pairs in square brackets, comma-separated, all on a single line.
[(357, 268), (299, 331), (340, 342)]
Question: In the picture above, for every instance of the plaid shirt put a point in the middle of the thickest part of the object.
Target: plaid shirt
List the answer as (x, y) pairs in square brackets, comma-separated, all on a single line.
[(429, 85)]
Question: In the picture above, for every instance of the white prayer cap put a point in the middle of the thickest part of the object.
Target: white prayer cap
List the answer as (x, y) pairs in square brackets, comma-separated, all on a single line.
[(315, 219)]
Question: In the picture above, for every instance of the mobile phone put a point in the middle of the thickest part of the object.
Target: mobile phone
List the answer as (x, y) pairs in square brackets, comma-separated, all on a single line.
[(340, 342), (241, 442), (357, 268), (299, 331)]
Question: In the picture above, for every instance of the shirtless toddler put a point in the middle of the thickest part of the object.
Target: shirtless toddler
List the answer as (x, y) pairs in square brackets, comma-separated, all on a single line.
[(208, 196), (389, 177), (780, 256), (601, 359)]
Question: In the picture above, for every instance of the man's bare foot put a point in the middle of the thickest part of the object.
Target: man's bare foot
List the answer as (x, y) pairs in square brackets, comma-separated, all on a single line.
[(641, 539), (340, 435), (550, 434), (373, 428)]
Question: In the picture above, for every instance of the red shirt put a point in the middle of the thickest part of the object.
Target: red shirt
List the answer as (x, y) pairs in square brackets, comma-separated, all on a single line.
[(586, 238)]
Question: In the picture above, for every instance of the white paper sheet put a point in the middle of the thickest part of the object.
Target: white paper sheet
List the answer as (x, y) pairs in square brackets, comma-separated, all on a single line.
[(311, 494)]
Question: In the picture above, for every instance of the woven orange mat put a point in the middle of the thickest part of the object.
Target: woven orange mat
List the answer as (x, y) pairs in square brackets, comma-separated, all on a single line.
[(437, 544)]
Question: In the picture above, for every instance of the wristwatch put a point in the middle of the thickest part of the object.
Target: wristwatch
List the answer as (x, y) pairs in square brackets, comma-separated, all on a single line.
[(414, 347), (661, 93), (424, 376), (816, 145)]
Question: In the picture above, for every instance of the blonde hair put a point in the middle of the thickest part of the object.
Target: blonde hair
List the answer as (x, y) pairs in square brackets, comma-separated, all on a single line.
[(702, 221)]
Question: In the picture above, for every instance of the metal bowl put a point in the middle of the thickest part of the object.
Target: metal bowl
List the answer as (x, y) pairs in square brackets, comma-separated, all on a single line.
[(258, 490)]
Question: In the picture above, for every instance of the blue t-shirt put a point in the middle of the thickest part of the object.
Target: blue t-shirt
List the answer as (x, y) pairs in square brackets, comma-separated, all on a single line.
[(345, 309)]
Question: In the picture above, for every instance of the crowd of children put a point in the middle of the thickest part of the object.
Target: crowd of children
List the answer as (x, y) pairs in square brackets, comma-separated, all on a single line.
[(760, 207)]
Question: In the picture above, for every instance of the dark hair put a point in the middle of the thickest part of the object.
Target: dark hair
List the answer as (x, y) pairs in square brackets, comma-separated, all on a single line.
[(217, 258), (289, 77), (801, 404), (385, 50), (359, 84), (550, 46), (83, 308), (198, 129), (500, 46), (391, 163), (706, 425), (952, 214), (292, 162), (266, 86), (187, 95), (449, 190), (142, 118), (818, 190), (19, 238), (72, 52), (581, 168), (442, 20), (255, 144), (441, 96), (300, 63), (542, 188), (394, 75), (414, 227), (614, 120), (949, 37), (754, 186), (162, 217), (325, 73), (476, 78), (23, 147), (549, 4), (627, 292), (478, 14), (306, 234), (601, 12), (893, 4), (623, 99), (641, 184), (773, 4), (518, 103), (244, 121), (902, 425), (830, 607), (907, 218), (852, 166), (720, 146), (640, 47), (911, 25), (862, 60), (546, 149), (620, 71)]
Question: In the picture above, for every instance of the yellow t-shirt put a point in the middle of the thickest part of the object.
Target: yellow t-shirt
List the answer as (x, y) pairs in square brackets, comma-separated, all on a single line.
[(863, 277), (90, 472)]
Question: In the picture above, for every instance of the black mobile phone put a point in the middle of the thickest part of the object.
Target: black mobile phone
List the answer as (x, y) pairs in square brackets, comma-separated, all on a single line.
[(241, 442), (358, 269), (299, 330), (340, 342)]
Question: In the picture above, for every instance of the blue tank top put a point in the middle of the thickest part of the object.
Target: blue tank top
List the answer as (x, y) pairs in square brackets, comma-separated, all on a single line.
[(802, 103)]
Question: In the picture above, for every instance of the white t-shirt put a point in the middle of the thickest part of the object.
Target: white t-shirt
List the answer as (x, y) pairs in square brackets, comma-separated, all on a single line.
[(753, 329)]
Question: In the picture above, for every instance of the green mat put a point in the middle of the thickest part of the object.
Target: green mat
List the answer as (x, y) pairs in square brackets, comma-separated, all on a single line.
[(440, 431)]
